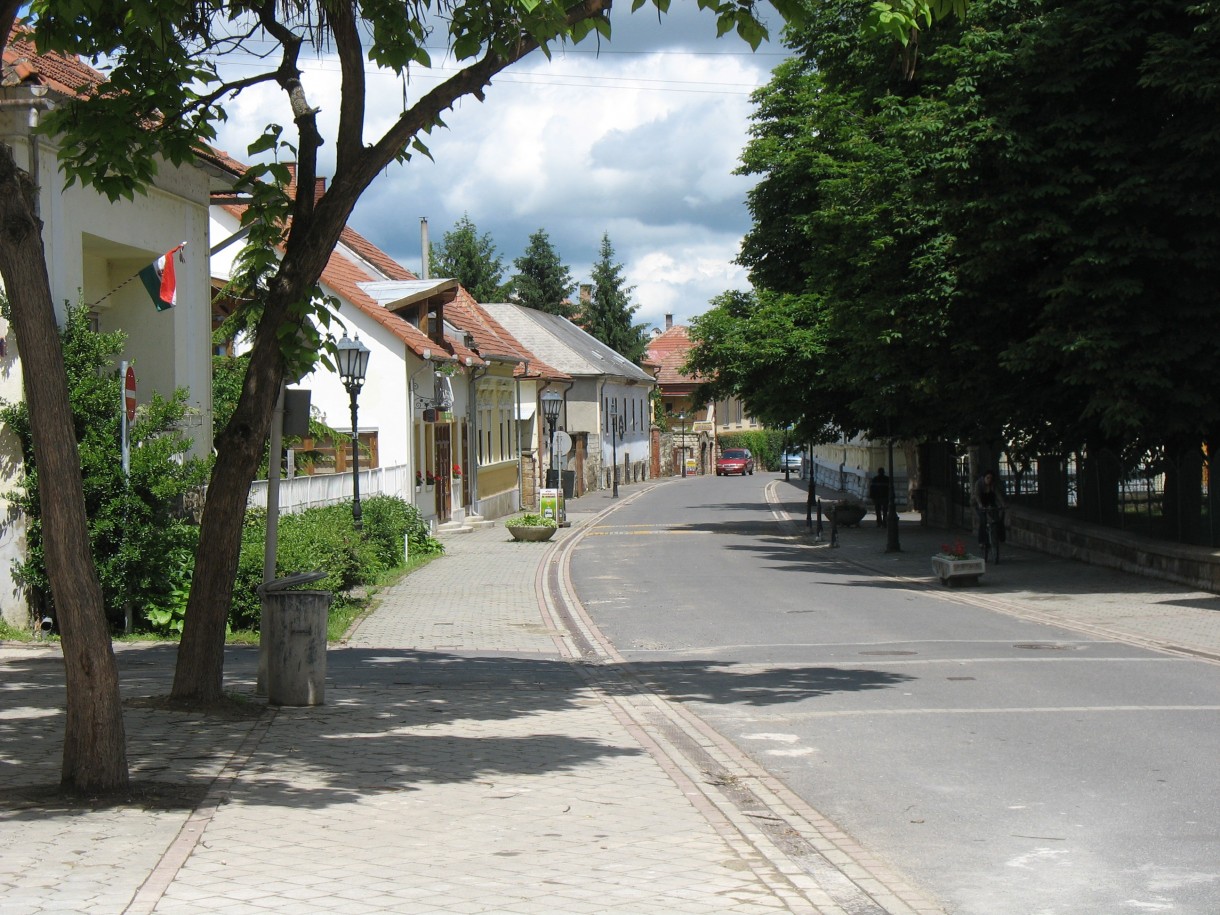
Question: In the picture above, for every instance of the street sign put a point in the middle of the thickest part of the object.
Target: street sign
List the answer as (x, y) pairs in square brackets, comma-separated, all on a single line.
[(129, 394), (563, 442)]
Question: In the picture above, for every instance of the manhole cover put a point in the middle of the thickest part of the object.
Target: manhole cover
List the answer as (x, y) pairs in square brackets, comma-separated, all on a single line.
[(887, 654)]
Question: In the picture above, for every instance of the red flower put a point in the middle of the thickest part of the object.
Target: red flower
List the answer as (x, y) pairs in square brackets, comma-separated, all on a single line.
[(457, 470)]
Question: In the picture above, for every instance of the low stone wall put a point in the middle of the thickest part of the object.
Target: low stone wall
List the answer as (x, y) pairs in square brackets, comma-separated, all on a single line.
[(1194, 566)]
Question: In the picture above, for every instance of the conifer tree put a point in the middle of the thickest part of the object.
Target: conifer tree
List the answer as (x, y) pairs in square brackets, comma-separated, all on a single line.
[(542, 281), (608, 313), (472, 260)]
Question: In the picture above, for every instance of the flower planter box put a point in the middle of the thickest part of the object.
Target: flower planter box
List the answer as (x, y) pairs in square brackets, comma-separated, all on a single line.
[(955, 572), (531, 534)]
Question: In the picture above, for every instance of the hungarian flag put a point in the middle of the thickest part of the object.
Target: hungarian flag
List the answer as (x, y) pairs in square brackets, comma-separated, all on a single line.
[(158, 278)]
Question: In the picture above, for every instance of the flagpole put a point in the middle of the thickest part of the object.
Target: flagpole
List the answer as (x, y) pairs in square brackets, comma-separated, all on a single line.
[(125, 445)]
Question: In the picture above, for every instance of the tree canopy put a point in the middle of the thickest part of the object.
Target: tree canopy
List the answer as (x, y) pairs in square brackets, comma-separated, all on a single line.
[(542, 281), (471, 259), (608, 312), (1009, 242)]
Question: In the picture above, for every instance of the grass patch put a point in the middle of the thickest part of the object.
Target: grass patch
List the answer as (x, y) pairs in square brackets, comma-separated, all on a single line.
[(12, 634)]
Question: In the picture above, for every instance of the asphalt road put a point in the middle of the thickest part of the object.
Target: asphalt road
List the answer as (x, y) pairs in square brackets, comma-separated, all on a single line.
[(1008, 767)]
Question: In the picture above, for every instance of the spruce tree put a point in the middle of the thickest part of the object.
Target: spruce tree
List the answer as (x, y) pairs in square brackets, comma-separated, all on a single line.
[(542, 281), (471, 259), (608, 313)]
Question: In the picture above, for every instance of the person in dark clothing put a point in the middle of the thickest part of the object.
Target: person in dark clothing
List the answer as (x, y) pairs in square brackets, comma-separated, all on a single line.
[(988, 493), (879, 492)]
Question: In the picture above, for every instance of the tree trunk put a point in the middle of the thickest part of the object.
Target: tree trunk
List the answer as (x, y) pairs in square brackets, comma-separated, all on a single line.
[(95, 755), (199, 674)]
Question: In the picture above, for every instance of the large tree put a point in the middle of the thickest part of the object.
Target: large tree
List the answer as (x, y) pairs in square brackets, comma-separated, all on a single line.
[(166, 96), (471, 259), (608, 312), (542, 280)]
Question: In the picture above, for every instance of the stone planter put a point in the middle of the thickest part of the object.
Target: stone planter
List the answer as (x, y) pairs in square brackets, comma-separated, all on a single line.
[(956, 572), (531, 534), (848, 514)]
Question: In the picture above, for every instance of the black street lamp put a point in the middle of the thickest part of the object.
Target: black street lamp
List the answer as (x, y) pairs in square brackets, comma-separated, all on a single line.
[(615, 432), (682, 445), (552, 402), (353, 359)]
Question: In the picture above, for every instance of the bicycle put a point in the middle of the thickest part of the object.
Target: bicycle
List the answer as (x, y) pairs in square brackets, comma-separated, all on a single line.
[(991, 523)]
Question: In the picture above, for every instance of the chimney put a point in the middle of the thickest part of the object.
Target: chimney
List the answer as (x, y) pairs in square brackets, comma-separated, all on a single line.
[(669, 320), (426, 249)]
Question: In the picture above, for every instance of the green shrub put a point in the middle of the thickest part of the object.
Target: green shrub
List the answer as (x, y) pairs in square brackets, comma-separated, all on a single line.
[(765, 444), (325, 539), (138, 529), (530, 520), (389, 522)]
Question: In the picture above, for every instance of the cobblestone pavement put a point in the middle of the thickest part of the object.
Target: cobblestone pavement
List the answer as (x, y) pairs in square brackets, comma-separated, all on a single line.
[(479, 751)]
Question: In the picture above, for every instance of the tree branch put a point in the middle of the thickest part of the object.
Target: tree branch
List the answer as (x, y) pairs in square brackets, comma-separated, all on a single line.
[(350, 137)]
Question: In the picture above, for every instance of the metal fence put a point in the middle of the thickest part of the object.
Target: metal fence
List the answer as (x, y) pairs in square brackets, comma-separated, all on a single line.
[(1151, 493)]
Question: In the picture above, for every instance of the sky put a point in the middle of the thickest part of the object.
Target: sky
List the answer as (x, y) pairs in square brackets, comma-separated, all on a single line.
[(638, 140)]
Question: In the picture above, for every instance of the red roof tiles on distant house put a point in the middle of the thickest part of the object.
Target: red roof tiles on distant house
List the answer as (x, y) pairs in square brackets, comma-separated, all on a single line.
[(669, 352)]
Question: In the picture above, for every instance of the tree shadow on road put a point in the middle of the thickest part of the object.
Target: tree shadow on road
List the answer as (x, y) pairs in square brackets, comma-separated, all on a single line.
[(394, 720)]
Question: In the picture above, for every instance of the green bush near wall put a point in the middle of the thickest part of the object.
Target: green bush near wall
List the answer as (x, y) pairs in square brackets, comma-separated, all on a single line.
[(765, 444), (325, 539)]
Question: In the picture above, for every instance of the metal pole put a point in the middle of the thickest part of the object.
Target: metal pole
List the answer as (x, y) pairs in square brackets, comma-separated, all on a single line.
[(614, 453), (357, 523), (891, 517), (682, 446)]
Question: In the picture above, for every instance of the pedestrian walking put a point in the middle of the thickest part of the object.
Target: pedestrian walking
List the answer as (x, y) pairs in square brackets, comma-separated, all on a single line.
[(879, 492)]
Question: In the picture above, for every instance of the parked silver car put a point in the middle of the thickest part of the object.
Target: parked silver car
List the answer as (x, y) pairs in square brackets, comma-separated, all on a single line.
[(791, 460)]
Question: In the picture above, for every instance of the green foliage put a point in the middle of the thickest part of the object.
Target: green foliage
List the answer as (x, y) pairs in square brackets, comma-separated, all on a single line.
[(608, 313), (471, 259), (530, 519), (325, 539), (542, 281), (765, 444), (138, 529)]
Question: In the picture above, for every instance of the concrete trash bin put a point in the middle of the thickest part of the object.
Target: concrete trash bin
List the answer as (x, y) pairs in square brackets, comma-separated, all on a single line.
[(295, 634)]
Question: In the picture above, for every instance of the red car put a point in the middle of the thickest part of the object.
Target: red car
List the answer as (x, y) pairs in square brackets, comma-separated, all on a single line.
[(734, 460)]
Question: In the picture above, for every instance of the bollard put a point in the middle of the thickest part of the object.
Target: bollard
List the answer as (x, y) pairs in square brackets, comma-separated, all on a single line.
[(295, 635)]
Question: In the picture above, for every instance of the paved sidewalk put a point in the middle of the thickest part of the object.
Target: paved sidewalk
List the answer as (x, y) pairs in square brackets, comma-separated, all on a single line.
[(477, 754), (1027, 583)]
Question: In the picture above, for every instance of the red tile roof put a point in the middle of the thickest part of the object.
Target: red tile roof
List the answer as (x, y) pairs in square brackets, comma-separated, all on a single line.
[(669, 351), (65, 74)]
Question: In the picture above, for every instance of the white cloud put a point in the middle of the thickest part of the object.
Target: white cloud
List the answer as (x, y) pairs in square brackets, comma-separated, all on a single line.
[(639, 140)]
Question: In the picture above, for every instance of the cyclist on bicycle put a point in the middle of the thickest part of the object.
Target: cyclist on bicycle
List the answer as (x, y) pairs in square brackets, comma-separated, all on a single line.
[(988, 493)]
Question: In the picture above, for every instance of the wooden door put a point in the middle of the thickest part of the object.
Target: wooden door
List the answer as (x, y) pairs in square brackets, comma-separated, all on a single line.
[(444, 464)]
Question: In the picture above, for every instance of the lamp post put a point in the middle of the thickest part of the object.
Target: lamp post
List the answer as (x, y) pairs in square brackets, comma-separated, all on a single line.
[(891, 516), (682, 441), (614, 435), (552, 401), (353, 359)]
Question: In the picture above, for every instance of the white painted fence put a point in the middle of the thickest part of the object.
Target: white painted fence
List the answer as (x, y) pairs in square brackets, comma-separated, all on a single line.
[(308, 491)]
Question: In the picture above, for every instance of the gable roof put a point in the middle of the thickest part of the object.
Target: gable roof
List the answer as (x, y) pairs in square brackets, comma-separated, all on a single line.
[(493, 341), (561, 343), (669, 351)]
